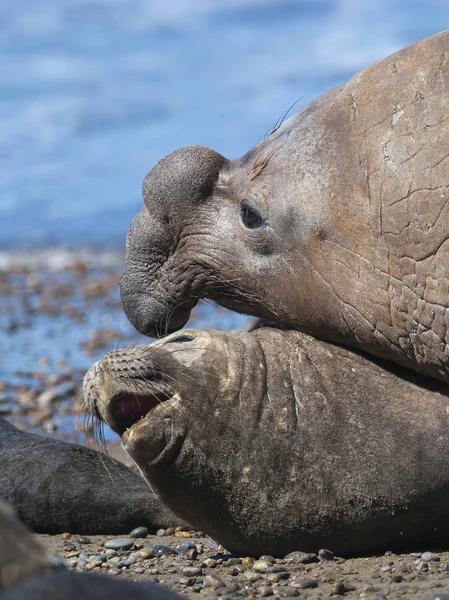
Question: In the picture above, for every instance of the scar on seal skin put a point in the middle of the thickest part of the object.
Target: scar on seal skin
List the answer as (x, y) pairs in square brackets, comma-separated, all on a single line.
[(272, 441), (336, 225)]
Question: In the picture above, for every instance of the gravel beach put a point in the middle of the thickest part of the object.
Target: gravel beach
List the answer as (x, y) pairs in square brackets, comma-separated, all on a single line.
[(197, 567), (61, 312)]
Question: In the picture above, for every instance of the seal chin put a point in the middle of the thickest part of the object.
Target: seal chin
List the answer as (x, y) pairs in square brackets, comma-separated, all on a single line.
[(155, 439)]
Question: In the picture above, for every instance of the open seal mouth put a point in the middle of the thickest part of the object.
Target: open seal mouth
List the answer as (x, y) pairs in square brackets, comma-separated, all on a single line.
[(127, 408)]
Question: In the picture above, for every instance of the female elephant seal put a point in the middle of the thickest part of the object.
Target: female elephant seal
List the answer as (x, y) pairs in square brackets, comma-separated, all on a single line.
[(57, 487), (337, 224), (261, 440)]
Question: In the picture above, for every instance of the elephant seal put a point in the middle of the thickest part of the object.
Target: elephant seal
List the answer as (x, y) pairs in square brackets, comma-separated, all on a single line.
[(336, 225), (273, 441), (57, 487), (27, 571)]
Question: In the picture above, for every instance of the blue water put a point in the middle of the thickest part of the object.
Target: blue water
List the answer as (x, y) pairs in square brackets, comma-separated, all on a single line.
[(94, 92)]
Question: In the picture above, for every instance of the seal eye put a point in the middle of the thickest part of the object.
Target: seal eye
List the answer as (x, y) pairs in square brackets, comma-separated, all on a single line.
[(182, 338), (251, 217)]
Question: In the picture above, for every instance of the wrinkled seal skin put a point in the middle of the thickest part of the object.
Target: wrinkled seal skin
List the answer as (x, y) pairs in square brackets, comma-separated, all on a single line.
[(28, 572), (57, 487), (290, 457), (349, 220)]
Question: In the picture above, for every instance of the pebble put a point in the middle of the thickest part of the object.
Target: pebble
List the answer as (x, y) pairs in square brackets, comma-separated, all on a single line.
[(146, 553), (303, 583), (251, 576), (264, 592), (110, 552), (159, 550), (83, 539), (71, 563), (213, 582), (169, 531), (139, 532), (161, 532), (339, 589), (184, 547), (233, 561), (211, 563), (68, 546), (324, 554), (191, 571), (188, 581), (192, 554), (300, 558), (429, 556), (286, 592), (262, 566), (119, 543)]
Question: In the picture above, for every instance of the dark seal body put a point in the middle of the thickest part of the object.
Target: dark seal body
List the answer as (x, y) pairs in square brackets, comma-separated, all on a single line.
[(307, 444), (27, 572), (337, 224), (57, 487)]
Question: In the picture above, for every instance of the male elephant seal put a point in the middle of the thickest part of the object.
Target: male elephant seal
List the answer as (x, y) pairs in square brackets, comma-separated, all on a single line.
[(57, 487), (28, 572), (337, 224), (261, 440)]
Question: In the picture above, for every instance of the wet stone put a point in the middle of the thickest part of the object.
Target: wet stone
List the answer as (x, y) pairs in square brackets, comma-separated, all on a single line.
[(233, 561), (184, 547), (213, 582), (303, 583), (211, 563), (110, 552), (262, 566), (119, 544), (145, 553), (159, 550), (71, 563), (339, 589), (68, 546), (264, 592), (188, 581), (251, 576), (192, 554), (286, 592), (83, 539), (191, 571), (324, 554), (430, 556), (303, 558), (139, 532)]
